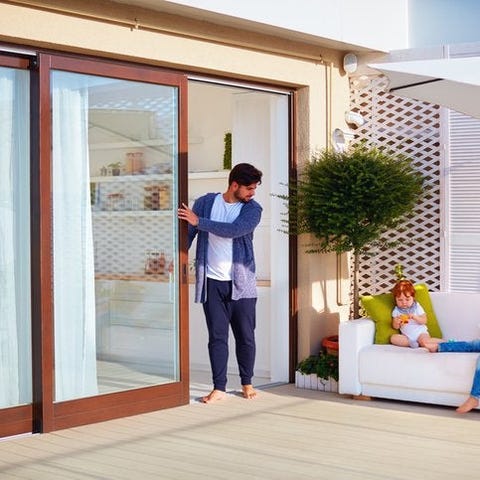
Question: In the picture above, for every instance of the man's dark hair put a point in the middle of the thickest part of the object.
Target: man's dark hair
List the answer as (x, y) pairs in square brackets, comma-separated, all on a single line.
[(245, 174)]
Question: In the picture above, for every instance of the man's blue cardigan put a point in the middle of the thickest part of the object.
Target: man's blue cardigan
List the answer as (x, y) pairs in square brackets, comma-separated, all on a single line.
[(241, 231)]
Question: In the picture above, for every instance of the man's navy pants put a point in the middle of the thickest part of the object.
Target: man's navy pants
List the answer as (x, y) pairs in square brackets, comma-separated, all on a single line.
[(221, 312)]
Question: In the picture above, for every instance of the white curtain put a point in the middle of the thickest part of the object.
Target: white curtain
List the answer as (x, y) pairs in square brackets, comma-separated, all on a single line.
[(15, 324), (74, 281)]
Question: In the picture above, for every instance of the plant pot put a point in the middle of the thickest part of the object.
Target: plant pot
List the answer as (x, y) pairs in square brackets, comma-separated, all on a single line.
[(331, 344), (313, 382)]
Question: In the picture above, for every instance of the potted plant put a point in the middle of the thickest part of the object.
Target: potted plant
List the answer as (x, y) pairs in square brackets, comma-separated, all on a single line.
[(347, 200), (116, 168), (227, 151), (318, 372)]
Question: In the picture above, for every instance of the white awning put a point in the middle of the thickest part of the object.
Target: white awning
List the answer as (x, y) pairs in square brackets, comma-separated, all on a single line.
[(451, 82)]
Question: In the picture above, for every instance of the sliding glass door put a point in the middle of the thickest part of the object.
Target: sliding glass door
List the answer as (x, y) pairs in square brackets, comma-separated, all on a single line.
[(15, 304), (115, 167)]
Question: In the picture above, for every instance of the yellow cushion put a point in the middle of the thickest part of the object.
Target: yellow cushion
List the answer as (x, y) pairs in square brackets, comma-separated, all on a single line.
[(379, 309)]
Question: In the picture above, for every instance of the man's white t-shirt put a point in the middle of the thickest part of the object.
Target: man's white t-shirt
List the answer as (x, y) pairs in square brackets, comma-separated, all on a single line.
[(220, 248)]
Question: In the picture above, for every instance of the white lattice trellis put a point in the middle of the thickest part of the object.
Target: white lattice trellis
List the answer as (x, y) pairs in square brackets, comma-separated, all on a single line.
[(410, 128)]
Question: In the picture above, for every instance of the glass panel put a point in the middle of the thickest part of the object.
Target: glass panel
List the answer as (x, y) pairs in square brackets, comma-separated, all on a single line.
[(115, 238), (15, 316)]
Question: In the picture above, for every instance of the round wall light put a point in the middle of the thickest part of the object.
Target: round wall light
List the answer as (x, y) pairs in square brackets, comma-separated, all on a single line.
[(350, 62)]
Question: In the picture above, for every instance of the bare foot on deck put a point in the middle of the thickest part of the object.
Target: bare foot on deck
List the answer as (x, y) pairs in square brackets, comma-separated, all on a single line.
[(248, 392), (469, 404), (214, 396)]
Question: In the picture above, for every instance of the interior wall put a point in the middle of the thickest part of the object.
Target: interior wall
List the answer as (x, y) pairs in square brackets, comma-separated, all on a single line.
[(210, 117)]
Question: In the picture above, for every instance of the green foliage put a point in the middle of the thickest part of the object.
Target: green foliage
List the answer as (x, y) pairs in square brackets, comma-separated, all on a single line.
[(348, 199), (399, 275), (115, 165), (324, 365)]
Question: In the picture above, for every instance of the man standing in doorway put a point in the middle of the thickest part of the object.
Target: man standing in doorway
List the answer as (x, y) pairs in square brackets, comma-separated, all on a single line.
[(225, 273)]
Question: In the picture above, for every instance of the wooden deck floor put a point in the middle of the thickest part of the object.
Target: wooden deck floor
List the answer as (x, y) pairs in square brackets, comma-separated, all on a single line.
[(286, 433)]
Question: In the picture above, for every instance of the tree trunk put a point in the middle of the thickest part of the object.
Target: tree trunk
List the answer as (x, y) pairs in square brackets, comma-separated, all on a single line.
[(356, 296)]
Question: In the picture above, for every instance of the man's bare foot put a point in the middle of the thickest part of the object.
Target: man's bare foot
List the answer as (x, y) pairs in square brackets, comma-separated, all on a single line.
[(469, 404), (214, 396), (248, 392), (431, 347)]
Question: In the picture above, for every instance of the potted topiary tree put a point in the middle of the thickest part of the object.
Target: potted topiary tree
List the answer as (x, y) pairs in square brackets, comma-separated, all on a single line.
[(348, 199)]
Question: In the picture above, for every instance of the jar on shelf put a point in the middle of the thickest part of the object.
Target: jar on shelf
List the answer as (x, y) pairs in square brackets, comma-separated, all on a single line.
[(151, 197), (155, 262), (157, 197), (115, 201), (134, 163), (164, 197)]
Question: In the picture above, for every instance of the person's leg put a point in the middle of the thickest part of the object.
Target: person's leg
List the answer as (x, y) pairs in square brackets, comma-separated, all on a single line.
[(433, 344), (473, 400), (425, 340), (243, 323), (399, 340), (217, 315), (472, 346)]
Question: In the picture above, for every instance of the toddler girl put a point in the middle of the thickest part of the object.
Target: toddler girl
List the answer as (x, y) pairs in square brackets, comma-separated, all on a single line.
[(409, 316)]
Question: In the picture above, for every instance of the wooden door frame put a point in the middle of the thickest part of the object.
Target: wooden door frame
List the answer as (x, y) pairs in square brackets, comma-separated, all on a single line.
[(292, 175)]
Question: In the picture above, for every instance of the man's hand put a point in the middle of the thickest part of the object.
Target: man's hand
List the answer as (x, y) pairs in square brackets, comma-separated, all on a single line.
[(185, 213)]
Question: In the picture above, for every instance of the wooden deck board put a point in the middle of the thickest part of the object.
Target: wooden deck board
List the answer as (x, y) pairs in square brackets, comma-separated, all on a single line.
[(286, 433)]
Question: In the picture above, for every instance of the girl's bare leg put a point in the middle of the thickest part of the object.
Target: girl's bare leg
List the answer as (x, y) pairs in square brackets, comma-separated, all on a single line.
[(399, 340), (431, 344), (425, 338)]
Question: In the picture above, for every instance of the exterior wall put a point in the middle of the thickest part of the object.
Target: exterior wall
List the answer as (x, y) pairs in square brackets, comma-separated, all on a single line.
[(321, 84)]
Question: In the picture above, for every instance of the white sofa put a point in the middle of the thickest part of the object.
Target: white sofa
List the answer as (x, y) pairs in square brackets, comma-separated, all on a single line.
[(409, 374)]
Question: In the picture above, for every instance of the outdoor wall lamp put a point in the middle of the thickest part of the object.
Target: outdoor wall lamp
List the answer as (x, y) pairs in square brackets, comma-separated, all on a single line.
[(363, 81), (341, 139), (350, 62), (354, 118)]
